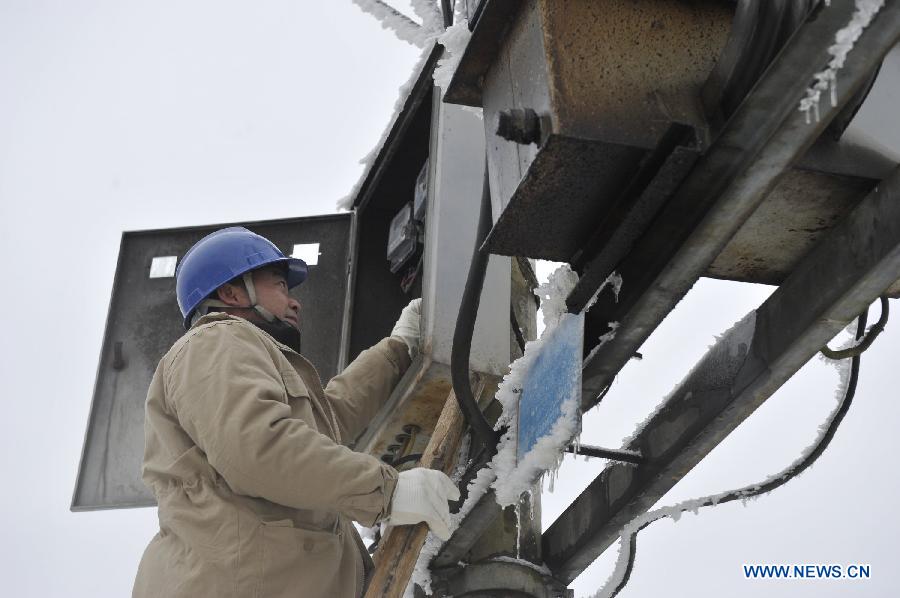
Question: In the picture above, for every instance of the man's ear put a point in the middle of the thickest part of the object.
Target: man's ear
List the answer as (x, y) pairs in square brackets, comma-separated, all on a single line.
[(228, 293)]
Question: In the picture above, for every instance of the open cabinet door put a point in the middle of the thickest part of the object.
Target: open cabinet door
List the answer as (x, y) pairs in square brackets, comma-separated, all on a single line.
[(144, 321)]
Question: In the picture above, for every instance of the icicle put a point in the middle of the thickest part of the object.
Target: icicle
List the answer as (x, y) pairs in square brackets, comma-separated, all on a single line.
[(554, 471), (845, 39), (531, 505), (616, 280), (518, 527)]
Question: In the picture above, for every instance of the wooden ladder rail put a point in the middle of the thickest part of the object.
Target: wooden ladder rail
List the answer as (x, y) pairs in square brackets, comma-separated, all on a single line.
[(399, 550)]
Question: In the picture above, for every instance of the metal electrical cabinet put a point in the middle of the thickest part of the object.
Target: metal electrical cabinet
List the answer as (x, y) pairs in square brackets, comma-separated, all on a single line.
[(448, 141), (144, 321)]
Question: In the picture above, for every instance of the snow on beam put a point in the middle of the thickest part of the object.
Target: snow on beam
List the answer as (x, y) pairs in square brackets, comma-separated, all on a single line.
[(835, 282), (764, 137)]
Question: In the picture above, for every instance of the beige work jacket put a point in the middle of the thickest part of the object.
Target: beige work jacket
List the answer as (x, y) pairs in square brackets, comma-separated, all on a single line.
[(245, 453)]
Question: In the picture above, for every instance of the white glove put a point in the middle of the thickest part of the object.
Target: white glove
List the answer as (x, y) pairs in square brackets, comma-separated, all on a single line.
[(407, 327), (422, 495)]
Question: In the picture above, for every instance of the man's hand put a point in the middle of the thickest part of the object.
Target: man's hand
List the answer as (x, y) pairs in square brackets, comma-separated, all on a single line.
[(407, 327), (422, 495)]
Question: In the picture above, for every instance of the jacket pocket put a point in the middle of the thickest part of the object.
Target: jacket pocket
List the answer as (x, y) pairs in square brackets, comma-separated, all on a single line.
[(294, 384), (299, 562), (306, 406)]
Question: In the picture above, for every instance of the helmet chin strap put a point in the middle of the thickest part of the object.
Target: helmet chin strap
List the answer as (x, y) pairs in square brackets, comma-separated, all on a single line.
[(275, 326), (265, 314)]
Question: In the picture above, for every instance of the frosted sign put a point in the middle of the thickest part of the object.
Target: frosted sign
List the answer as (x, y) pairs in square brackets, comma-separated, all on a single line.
[(552, 383)]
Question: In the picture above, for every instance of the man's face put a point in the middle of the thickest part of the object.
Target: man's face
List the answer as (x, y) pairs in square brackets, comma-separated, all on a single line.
[(271, 293)]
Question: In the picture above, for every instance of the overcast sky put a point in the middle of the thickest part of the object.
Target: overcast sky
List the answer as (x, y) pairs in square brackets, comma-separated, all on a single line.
[(119, 115)]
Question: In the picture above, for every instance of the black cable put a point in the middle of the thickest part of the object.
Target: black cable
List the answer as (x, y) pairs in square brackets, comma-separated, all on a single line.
[(375, 542), (465, 325), (447, 12), (407, 459), (865, 343), (792, 471)]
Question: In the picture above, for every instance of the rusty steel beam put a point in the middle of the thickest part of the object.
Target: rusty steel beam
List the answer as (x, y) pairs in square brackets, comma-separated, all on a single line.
[(853, 265), (490, 21), (763, 138), (661, 172)]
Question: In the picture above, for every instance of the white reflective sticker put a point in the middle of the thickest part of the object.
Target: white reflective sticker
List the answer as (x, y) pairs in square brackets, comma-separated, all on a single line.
[(308, 252), (163, 267)]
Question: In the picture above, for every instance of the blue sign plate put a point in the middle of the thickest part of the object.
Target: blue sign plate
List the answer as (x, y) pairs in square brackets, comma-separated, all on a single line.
[(554, 377)]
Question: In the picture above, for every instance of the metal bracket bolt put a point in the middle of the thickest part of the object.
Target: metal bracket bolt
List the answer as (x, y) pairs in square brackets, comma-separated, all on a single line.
[(521, 125)]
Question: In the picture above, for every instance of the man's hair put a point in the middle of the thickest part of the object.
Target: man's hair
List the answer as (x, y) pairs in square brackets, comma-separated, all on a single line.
[(237, 281)]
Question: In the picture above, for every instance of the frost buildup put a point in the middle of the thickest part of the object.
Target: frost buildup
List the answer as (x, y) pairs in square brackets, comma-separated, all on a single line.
[(509, 479), (614, 280), (454, 40), (402, 26), (431, 31), (553, 294), (512, 478), (845, 39), (346, 202), (430, 13)]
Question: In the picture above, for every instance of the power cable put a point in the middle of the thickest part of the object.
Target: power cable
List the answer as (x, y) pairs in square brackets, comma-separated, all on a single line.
[(866, 342), (797, 467), (465, 326), (447, 12)]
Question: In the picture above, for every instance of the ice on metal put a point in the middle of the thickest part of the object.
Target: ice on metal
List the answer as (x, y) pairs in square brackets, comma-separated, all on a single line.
[(845, 39)]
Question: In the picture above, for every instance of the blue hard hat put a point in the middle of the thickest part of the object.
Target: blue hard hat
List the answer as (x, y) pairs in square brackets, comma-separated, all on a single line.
[(221, 256)]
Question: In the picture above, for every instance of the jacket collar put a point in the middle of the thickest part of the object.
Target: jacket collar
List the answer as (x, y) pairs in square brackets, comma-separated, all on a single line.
[(218, 316)]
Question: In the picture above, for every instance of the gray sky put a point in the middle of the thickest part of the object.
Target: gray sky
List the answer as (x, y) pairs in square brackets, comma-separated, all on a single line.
[(136, 115)]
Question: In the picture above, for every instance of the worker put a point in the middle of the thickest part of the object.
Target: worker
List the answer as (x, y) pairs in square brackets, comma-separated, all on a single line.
[(246, 452)]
